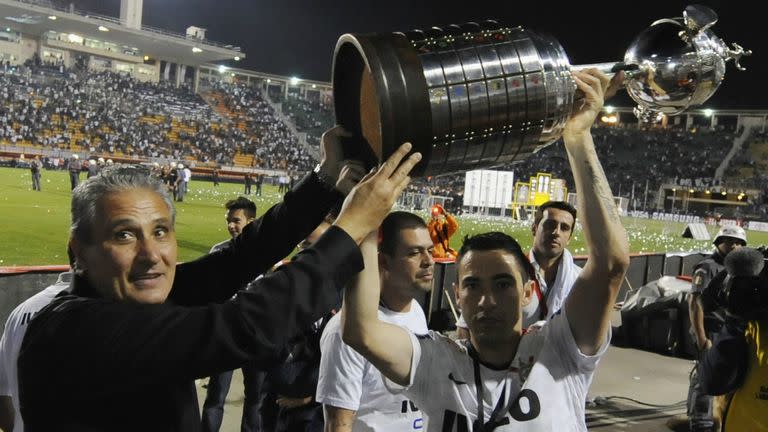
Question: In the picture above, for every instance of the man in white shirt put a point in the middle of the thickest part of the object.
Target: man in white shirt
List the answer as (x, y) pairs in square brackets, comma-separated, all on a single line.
[(503, 379), (552, 230), (351, 390), (15, 328)]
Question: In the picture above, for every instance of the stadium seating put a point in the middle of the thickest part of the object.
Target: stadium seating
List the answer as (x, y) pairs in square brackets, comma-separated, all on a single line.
[(234, 124), (112, 114)]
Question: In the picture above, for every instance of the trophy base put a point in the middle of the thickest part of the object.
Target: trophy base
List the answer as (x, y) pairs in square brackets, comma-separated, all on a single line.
[(380, 97)]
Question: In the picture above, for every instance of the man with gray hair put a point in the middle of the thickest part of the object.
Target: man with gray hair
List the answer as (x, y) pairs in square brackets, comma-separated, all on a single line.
[(136, 329)]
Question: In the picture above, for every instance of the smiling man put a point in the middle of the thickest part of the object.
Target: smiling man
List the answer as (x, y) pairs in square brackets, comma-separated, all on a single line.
[(136, 329), (351, 390)]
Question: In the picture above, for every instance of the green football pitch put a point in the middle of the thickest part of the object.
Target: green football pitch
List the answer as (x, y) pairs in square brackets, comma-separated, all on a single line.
[(34, 226)]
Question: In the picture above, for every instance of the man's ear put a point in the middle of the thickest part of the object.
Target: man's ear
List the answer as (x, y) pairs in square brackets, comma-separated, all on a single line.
[(528, 292)]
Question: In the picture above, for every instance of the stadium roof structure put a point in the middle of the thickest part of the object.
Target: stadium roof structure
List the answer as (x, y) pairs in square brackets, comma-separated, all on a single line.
[(34, 19)]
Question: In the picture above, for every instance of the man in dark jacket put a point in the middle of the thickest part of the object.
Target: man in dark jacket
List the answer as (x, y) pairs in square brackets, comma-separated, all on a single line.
[(74, 166), (128, 346)]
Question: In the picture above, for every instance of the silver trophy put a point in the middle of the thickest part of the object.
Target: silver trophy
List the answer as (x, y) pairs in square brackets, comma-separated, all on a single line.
[(676, 63), (480, 94)]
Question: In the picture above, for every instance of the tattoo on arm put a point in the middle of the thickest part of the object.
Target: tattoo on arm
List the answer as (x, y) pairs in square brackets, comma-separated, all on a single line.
[(596, 175)]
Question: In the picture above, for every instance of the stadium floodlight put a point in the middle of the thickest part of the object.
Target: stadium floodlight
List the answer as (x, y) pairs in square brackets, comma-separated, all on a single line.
[(237, 58), (690, 190), (232, 74), (294, 81), (196, 50), (146, 58), (707, 192), (708, 112), (269, 80), (723, 193), (222, 69), (103, 29), (314, 86), (52, 17)]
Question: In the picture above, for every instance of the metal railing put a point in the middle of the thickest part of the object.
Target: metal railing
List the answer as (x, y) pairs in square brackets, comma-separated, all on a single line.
[(116, 21)]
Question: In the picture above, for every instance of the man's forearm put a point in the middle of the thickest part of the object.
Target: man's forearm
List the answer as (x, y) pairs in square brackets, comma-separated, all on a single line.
[(590, 303), (603, 231), (696, 314), (361, 299), (338, 419)]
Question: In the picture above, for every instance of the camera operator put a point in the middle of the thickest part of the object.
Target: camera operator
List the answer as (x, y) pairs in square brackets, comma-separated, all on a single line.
[(738, 359)]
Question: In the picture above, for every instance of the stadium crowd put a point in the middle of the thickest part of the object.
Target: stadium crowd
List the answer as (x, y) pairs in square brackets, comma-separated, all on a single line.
[(113, 114), (269, 139)]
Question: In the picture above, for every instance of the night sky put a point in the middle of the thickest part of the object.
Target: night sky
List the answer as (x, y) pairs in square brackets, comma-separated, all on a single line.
[(296, 38)]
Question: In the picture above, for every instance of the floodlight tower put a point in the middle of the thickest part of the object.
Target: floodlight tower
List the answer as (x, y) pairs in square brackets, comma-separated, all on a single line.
[(130, 13)]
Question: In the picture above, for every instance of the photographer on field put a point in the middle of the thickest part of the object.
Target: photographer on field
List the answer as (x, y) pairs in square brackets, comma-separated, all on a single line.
[(738, 359)]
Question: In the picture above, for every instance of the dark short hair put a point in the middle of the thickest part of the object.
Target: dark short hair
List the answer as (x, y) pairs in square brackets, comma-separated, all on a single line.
[(497, 241), (391, 226), (242, 203), (560, 205)]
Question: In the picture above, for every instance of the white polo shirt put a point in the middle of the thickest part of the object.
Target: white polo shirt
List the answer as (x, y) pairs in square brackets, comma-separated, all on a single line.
[(544, 388), (13, 335), (347, 380)]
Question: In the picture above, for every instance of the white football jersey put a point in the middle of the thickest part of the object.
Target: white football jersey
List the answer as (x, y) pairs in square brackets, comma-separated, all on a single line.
[(543, 389), (347, 380)]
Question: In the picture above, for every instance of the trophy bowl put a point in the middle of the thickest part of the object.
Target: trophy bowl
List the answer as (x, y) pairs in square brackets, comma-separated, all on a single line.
[(680, 63), (480, 95)]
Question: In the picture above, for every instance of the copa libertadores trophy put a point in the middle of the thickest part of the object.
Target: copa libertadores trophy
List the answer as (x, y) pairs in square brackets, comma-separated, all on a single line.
[(481, 94)]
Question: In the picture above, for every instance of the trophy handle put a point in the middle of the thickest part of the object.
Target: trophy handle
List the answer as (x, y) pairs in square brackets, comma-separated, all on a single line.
[(609, 68)]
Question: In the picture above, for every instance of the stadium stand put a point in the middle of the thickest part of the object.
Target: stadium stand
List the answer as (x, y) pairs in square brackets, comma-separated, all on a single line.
[(112, 114)]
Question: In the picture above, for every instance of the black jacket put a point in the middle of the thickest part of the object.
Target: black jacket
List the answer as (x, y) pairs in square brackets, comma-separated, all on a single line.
[(90, 364)]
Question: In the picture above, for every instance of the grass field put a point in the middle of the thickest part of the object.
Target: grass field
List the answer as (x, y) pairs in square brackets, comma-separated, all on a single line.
[(34, 225)]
